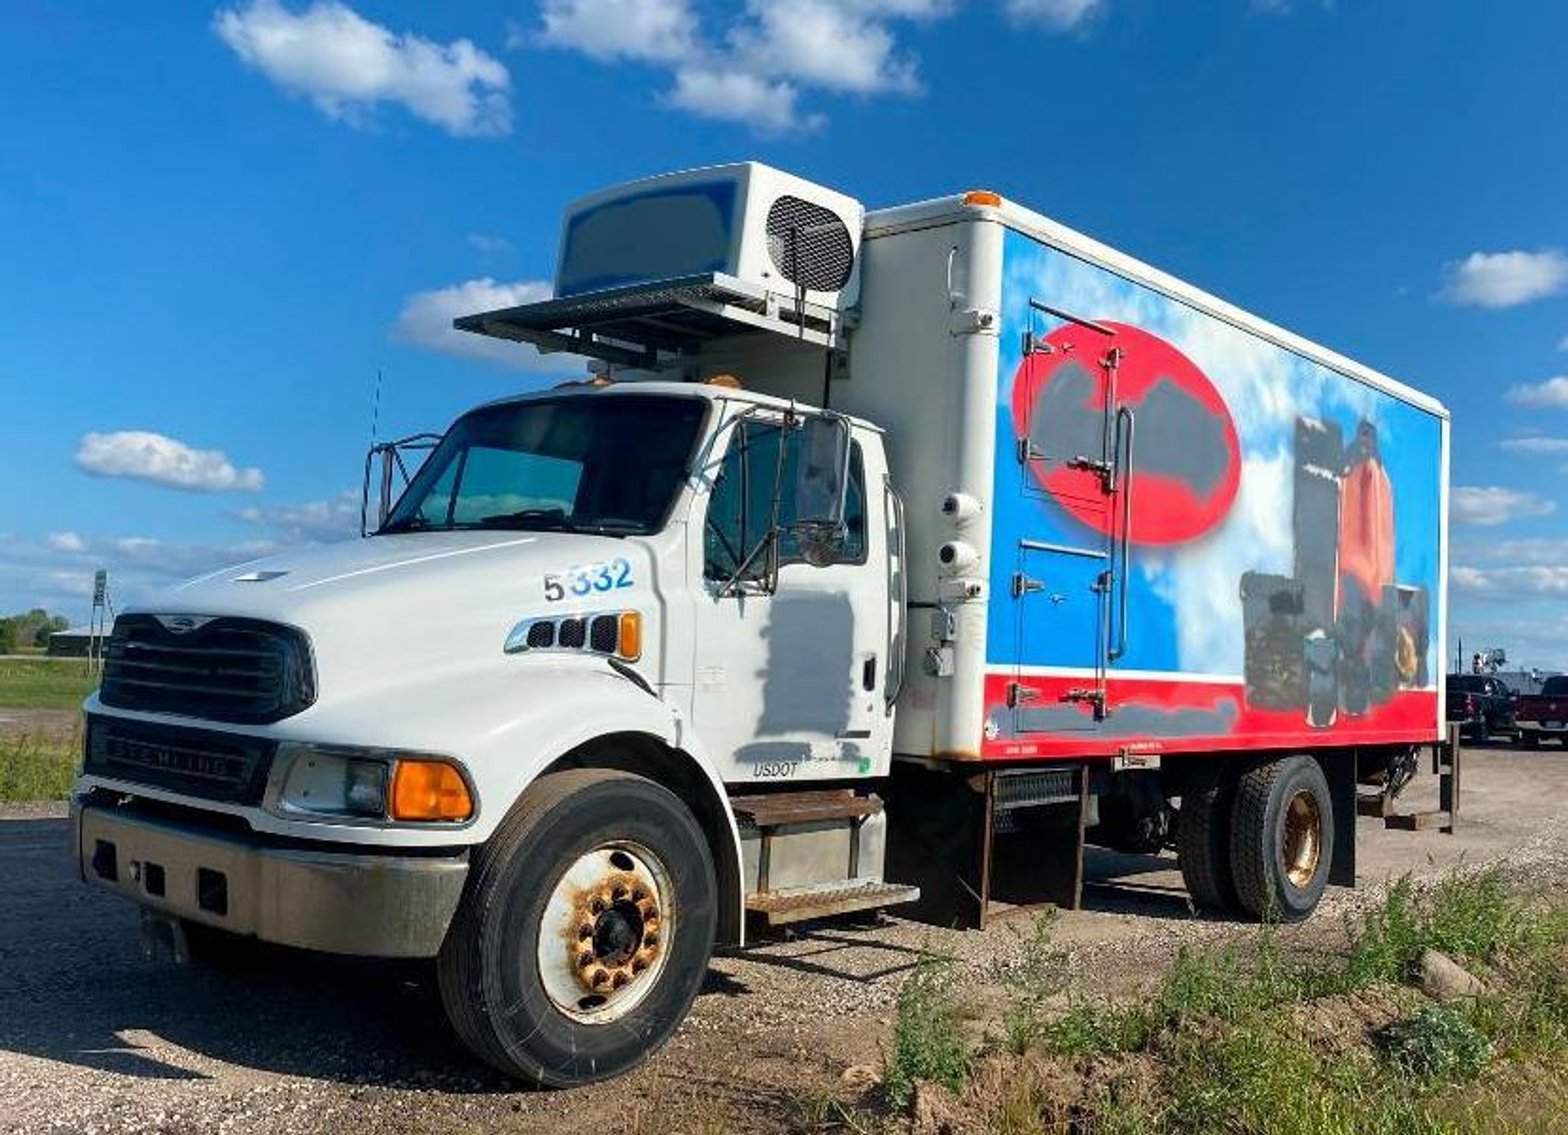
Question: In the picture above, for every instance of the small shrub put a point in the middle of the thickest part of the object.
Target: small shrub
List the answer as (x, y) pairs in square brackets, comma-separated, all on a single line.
[(1091, 1028), (1437, 1043), (1041, 975), (928, 1036)]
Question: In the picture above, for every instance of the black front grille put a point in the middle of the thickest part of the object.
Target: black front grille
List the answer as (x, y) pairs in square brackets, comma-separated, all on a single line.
[(605, 634), (221, 669), (226, 767)]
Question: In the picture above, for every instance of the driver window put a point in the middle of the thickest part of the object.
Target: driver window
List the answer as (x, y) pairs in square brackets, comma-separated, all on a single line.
[(741, 504)]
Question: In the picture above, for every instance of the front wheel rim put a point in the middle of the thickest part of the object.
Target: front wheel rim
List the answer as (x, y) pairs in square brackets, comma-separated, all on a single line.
[(1303, 850), (607, 930)]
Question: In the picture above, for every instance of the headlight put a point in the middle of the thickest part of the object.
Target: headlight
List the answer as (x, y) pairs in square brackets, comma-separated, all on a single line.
[(370, 784)]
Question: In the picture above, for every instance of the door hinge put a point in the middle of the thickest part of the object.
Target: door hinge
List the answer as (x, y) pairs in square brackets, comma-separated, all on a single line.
[(1018, 693), (1036, 345), (1027, 452), (1023, 585)]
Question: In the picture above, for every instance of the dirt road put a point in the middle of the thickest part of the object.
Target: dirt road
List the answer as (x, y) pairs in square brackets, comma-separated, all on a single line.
[(94, 1038)]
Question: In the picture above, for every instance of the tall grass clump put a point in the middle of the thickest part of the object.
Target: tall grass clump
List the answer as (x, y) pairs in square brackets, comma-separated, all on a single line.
[(37, 768), (928, 1033)]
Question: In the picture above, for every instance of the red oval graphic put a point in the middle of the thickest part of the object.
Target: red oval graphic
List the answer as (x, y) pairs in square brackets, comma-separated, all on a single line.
[(1186, 459)]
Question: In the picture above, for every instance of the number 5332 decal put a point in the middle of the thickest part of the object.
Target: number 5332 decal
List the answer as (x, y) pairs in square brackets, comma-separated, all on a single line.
[(579, 581)]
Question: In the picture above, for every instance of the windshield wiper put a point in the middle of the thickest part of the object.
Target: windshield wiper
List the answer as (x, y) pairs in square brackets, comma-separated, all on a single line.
[(415, 523), (555, 519)]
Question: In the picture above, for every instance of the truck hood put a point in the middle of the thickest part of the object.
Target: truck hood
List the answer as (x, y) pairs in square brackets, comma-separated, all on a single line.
[(397, 610)]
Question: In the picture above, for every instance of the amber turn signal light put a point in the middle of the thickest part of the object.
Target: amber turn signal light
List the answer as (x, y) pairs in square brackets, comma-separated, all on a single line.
[(429, 790), (629, 642)]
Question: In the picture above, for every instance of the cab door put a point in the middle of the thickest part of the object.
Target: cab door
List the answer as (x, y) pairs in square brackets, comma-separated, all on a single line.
[(791, 667)]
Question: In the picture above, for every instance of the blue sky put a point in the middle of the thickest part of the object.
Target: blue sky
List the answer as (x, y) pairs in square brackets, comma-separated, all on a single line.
[(218, 221)]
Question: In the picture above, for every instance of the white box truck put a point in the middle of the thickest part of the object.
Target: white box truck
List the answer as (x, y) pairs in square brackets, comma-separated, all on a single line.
[(888, 557)]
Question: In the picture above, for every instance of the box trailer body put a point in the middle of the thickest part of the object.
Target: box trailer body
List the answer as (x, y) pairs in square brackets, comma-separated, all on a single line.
[(887, 557)]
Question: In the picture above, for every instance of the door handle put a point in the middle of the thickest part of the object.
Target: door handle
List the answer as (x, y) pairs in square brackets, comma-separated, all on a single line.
[(868, 674), (1124, 418)]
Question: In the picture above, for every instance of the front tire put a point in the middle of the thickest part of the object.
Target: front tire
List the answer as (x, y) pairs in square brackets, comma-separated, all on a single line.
[(1282, 838), (584, 932)]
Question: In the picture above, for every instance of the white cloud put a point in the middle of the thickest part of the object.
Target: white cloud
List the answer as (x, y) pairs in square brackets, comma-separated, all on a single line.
[(767, 105), (1535, 444), (316, 522), (65, 542), (161, 460), (1506, 279), (1511, 582), (823, 43), (1551, 394), (489, 243), (426, 321), (1492, 505), (347, 65), (754, 67), (1055, 15), (1526, 550), (663, 31)]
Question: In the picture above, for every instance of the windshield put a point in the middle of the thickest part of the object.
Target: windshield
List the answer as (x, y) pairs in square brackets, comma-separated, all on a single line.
[(1554, 687), (609, 465)]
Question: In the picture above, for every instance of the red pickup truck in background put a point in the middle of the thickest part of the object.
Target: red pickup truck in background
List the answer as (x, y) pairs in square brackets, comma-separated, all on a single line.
[(1480, 705), (1544, 714)]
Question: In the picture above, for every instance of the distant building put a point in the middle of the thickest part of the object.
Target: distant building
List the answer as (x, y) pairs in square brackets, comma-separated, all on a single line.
[(77, 642)]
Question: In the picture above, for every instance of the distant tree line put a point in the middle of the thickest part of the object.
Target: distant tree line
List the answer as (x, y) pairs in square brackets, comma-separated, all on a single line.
[(32, 628)]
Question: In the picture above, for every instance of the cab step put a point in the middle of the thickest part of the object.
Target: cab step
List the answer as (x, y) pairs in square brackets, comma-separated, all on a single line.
[(779, 908), (777, 809)]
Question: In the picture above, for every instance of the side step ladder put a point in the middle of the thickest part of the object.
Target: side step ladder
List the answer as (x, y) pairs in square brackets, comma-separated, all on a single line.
[(798, 835)]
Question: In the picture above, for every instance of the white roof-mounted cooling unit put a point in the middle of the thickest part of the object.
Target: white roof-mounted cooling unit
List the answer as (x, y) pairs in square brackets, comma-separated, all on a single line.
[(657, 267)]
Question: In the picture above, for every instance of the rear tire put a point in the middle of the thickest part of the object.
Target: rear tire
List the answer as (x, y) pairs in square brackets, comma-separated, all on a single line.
[(1282, 838), (1203, 840), (621, 857)]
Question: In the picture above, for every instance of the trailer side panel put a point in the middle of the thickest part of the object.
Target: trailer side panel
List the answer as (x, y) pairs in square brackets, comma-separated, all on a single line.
[(1201, 541)]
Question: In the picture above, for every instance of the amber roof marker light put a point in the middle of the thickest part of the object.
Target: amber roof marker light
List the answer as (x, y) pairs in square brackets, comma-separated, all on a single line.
[(983, 199)]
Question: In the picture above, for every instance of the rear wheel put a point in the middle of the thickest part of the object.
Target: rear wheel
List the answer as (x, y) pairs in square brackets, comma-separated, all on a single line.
[(1282, 838), (1203, 840), (585, 930)]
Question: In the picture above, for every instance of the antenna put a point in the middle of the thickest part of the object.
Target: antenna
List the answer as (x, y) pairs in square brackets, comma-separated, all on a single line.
[(375, 408)]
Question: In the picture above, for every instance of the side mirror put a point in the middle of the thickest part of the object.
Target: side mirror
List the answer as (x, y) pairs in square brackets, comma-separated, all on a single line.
[(820, 489)]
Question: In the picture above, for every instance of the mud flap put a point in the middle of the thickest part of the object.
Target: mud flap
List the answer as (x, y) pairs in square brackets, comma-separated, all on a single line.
[(1339, 767)]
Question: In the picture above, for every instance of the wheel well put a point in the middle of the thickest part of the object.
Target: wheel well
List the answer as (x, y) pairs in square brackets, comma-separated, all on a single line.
[(678, 771)]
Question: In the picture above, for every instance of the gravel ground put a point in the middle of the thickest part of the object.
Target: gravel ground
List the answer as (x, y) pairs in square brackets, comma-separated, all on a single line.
[(95, 1038)]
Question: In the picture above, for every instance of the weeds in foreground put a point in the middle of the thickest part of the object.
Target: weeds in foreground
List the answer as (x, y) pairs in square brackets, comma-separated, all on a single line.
[(1222, 1048), (928, 1033), (37, 768)]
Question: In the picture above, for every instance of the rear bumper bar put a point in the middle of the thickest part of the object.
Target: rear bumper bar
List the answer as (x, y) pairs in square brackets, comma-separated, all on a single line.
[(341, 902)]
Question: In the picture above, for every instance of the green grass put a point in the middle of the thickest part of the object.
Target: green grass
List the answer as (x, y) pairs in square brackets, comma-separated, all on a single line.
[(37, 768), (928, 1033), (27, 683), (1257, 1038)]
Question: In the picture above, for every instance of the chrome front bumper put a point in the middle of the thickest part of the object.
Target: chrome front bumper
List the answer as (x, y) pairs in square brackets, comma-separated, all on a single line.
[(395, 906)]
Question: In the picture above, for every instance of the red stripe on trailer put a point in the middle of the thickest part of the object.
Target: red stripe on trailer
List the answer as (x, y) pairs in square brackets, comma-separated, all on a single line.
[(1409, 717)]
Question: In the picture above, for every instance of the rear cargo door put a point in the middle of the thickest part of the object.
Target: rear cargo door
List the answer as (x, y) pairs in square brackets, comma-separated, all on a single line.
[(1065, 590)]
